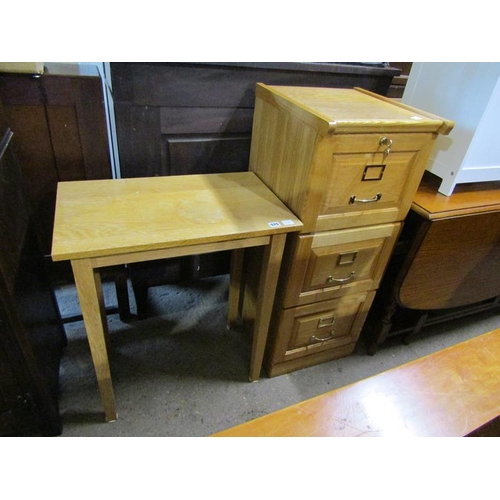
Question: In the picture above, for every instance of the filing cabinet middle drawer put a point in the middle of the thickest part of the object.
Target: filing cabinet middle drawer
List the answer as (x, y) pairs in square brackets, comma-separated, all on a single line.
[(335, 263)]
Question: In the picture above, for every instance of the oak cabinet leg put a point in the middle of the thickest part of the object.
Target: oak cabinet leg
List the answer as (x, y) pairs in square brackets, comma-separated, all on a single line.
[(271, 264), (88, 285), (235, 283)]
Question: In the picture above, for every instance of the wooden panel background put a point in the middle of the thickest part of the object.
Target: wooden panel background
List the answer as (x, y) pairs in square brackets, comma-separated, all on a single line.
[(60, 129), (156, 101)]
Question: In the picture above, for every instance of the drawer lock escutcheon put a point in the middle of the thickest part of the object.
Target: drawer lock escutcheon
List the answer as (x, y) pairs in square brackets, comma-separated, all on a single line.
[(355, 199), (331, 279)]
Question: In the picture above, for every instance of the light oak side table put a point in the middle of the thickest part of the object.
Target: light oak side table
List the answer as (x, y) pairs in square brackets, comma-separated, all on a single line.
[(120, 221)]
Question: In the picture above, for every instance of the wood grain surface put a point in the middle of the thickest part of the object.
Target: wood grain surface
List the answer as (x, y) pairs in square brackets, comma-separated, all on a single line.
[(112, 217), (466, 198), (351, 110), (457, 263), (448, 393)]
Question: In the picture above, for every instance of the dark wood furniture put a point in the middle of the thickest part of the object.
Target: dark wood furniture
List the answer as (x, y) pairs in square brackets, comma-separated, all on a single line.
[(192, 118), (31, 334), (398, 84), (446, 263), (60, 130)]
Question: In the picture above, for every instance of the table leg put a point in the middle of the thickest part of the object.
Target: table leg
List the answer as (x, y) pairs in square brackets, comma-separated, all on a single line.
[(235, 276), (88, 285), (271, 264)]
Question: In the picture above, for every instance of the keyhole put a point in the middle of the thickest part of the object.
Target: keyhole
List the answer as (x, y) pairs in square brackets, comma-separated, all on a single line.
[(385, 141)]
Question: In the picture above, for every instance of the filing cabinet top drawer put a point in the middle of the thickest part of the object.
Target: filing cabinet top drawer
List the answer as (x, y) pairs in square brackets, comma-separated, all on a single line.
[(367, 186), (338, 111)]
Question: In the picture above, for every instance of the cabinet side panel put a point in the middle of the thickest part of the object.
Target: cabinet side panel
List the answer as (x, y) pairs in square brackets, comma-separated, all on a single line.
[(282, 154)]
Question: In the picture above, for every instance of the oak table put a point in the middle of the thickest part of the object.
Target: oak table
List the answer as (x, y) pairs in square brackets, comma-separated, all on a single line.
[(119, 221)]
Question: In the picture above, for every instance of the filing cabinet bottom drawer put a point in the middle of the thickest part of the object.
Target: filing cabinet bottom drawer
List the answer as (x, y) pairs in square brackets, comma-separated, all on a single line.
[(292, 365), (319, 330)]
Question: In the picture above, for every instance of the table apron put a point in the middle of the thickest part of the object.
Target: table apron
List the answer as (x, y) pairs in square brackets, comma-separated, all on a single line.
[(166, 253)]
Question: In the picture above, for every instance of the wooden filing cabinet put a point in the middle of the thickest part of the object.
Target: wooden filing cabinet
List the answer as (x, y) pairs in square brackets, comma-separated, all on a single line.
[(348, 163)]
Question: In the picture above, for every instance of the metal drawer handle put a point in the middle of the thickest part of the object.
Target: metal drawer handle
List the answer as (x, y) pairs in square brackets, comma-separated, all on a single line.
[(331, 279), (318, 339), (354, 199)]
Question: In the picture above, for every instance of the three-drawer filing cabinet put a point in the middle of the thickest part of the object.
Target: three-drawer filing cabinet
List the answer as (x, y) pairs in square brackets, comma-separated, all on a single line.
[(347, 162)]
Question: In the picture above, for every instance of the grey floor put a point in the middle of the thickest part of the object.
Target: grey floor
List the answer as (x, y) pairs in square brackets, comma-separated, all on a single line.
[(182, 373)]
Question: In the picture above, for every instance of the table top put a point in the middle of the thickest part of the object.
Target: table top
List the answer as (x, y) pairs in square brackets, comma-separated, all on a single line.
[(119, 216), (467, 199)]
